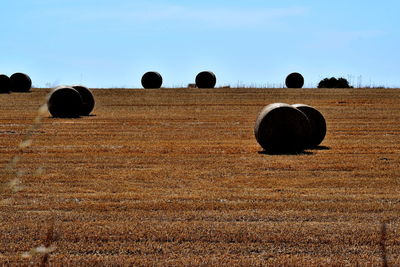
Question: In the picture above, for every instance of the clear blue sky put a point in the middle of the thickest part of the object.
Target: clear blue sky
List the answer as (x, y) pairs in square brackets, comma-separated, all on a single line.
[(104, 43)]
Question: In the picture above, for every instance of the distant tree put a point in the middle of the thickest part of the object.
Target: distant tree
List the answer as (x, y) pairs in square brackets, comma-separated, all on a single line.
[(334, 83)]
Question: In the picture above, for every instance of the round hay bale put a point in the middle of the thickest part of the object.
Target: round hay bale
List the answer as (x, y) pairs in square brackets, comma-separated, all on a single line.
[(152, 80), (206, 79), (317, 123), (65, 102), (294, 80), (281, 128), (5, 84), (87, 99), (20, 82)]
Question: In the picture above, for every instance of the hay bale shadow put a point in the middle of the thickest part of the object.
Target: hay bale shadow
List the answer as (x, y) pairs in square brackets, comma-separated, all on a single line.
[(321, 148), (271, 153)]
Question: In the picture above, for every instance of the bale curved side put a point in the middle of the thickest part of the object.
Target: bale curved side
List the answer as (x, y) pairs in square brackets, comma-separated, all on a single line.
[(65, 102), (5, 84), (88, 101), (152, 80), (317, 123), (281, 128), (20, 82), (206, 79), (294, 80)]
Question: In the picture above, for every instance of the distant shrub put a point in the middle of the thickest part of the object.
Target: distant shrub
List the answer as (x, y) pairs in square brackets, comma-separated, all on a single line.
[(334, 83)]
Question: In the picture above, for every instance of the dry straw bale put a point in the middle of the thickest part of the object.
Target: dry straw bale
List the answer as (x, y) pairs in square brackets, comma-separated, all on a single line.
[(88, 101), (206, 79), (65, 102), (294, 80), (152, 80), (317, 122), (20, 82), (281, 128), (5, 84)]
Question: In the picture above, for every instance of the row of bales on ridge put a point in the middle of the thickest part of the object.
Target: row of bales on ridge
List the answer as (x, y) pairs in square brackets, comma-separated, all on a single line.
[(154, 80), (207, 79)]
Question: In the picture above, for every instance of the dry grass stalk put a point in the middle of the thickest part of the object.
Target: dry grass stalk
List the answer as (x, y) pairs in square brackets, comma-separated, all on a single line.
[(44, 251), (382, 245), (11, 181)]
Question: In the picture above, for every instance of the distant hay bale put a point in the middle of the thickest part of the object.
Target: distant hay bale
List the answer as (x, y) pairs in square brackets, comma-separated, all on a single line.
[(88, 101), (281, 128), (294, 80), (65, 102), (192, 85), (152, 80), (5, 84), (206, 79), (20, 82), (317, 123)]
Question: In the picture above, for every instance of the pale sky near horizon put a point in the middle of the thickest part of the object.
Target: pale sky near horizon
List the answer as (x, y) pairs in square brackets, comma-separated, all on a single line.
[(104, 43)]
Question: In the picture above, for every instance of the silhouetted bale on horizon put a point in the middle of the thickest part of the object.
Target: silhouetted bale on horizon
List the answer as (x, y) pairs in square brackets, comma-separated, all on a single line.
[(206, 79), (20, 82), (294, 80), (281, 128), (5, 84), (152, 80), (317, 123), (88, 101), (65, 102)]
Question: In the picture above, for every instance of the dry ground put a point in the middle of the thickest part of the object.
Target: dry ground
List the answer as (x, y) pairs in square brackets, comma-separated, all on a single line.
[(175, 177)]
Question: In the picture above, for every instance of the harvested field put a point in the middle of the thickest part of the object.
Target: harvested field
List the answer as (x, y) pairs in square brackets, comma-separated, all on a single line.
[(175, 177)]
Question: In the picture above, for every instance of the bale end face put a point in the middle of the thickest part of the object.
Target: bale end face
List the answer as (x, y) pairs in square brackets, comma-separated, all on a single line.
[(65, 102), (206, 79), (281, 128), (88, 101), (20, 82), (152, 80), (317, 123), (5, 84), (294, 80)]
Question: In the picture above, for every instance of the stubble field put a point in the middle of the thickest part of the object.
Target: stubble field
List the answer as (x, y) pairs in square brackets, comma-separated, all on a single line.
[(175, 177)]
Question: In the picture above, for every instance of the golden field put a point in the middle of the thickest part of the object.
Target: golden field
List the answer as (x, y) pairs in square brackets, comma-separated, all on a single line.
[(175, 177)]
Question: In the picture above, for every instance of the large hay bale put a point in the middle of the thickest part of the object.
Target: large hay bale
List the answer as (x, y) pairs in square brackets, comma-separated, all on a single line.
[(206, 79), (317, 123), (65, 102), (294, 80), (5, 84), (20, 82), (87, 99), (152, 80), (281, 128)]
